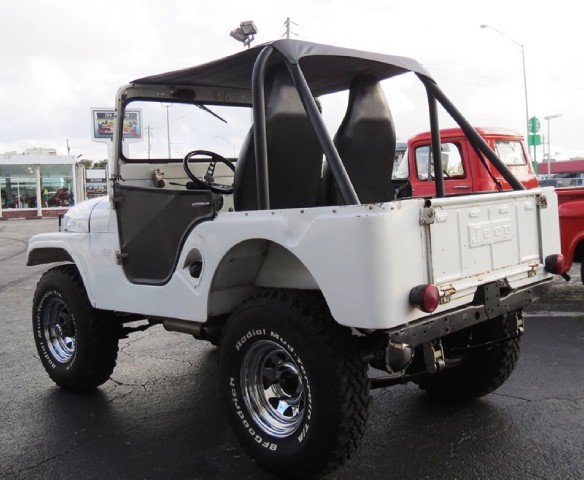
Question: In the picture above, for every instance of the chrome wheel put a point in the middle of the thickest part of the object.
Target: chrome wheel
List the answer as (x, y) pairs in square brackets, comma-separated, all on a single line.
[(294, 383), (273, 389), (59, 330)]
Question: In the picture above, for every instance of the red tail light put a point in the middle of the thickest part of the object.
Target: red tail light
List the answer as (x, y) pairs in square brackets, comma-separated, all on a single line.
[(555, 264), (425, 297)]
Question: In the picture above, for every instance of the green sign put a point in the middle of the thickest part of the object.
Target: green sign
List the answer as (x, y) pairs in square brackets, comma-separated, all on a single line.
[(533, 125), (534, 140)]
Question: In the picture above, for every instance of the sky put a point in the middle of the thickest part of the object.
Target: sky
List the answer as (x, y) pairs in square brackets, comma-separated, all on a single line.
[(60, 58)]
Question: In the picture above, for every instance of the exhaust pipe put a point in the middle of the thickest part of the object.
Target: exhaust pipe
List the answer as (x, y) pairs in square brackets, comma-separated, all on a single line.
[(183, 326)]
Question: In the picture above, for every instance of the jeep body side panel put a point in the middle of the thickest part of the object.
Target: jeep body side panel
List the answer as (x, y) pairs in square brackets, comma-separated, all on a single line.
[(365, 259), (341, 248)]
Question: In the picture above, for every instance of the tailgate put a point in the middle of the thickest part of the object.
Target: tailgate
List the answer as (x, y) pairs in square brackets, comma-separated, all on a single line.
[(478, 239)]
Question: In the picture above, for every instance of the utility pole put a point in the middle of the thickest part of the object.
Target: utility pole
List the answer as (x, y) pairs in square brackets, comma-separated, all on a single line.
[(288, 24), (167, 106), (149, 144)]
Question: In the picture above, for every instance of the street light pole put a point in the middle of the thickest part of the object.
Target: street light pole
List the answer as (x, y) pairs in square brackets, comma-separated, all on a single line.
[(245, 33), (525, 92), (522, 48), (549, 156)]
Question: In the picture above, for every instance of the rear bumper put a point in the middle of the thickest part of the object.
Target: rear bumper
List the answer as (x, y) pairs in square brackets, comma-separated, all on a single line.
[(491, 300)]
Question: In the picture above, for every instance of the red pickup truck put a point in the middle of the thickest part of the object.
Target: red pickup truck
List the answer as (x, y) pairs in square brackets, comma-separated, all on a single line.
[(465, 170)]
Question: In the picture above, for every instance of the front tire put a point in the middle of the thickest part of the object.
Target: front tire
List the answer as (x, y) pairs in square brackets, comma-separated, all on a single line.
[(481, 370), (295, 384), (77, 344)]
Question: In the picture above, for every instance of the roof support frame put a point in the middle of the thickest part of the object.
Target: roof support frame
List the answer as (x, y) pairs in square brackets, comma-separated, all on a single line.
[(260, 134), (259, 127), (328, 147)]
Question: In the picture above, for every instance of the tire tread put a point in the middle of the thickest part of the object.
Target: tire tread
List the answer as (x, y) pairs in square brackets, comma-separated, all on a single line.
[(342, 351), (100, 353)]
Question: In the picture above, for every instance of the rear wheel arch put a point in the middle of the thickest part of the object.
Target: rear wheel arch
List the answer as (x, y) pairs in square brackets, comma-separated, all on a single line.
[(252, 265)]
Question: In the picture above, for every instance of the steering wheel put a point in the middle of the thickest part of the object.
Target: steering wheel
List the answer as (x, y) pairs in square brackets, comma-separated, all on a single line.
[(208, 181)]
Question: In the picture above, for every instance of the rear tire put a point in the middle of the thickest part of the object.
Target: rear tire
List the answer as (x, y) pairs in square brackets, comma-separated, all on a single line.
[(481, 371), (77, 344), (295, 384)]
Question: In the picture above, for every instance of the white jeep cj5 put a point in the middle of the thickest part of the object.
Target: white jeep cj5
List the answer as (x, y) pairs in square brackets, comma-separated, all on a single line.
[(299, 257)]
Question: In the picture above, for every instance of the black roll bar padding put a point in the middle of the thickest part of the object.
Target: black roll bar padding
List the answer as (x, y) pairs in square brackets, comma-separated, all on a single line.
[(470, 132), (333, 158), (259, 129), (436, 146)]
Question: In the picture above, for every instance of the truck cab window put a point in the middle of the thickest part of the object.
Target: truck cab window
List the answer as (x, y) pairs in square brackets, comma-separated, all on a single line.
[(451, 162), (401, 167), (510, 151)]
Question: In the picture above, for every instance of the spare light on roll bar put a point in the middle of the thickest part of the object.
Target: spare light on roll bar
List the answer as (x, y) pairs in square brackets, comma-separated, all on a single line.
[(425, 297)]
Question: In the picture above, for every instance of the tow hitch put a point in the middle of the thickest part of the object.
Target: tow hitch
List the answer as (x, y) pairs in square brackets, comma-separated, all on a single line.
[(433, 356)]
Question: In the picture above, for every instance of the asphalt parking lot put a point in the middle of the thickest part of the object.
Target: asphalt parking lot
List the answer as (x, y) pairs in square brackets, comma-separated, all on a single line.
[(160, 416)]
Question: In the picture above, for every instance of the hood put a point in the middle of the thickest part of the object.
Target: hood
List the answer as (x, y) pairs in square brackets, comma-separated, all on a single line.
[(77, 218)]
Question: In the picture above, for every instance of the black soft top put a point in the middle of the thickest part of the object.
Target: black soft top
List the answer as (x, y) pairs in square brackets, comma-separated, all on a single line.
[(317, 70), (326, 68)]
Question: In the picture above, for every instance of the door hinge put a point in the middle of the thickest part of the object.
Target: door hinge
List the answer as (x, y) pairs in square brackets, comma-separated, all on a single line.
[(427, 216), (118, 201), (121, 258)]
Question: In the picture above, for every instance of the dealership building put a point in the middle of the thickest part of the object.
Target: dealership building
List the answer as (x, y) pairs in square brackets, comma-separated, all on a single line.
[(39, 183)]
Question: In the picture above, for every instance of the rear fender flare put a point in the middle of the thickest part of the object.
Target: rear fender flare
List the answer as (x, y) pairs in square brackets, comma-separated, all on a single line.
[(254, 264)]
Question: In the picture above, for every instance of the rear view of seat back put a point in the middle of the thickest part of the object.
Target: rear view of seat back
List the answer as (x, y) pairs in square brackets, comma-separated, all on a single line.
[(365, 141), (294, 153)]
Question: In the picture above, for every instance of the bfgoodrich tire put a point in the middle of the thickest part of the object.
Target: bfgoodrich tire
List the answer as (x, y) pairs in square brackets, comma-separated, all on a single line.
[(481, 370), (77, 344), (295, 385)]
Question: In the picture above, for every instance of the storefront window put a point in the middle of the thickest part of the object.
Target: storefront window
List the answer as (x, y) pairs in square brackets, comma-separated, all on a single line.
[(18, 186), (3, 197), (57, 185)]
